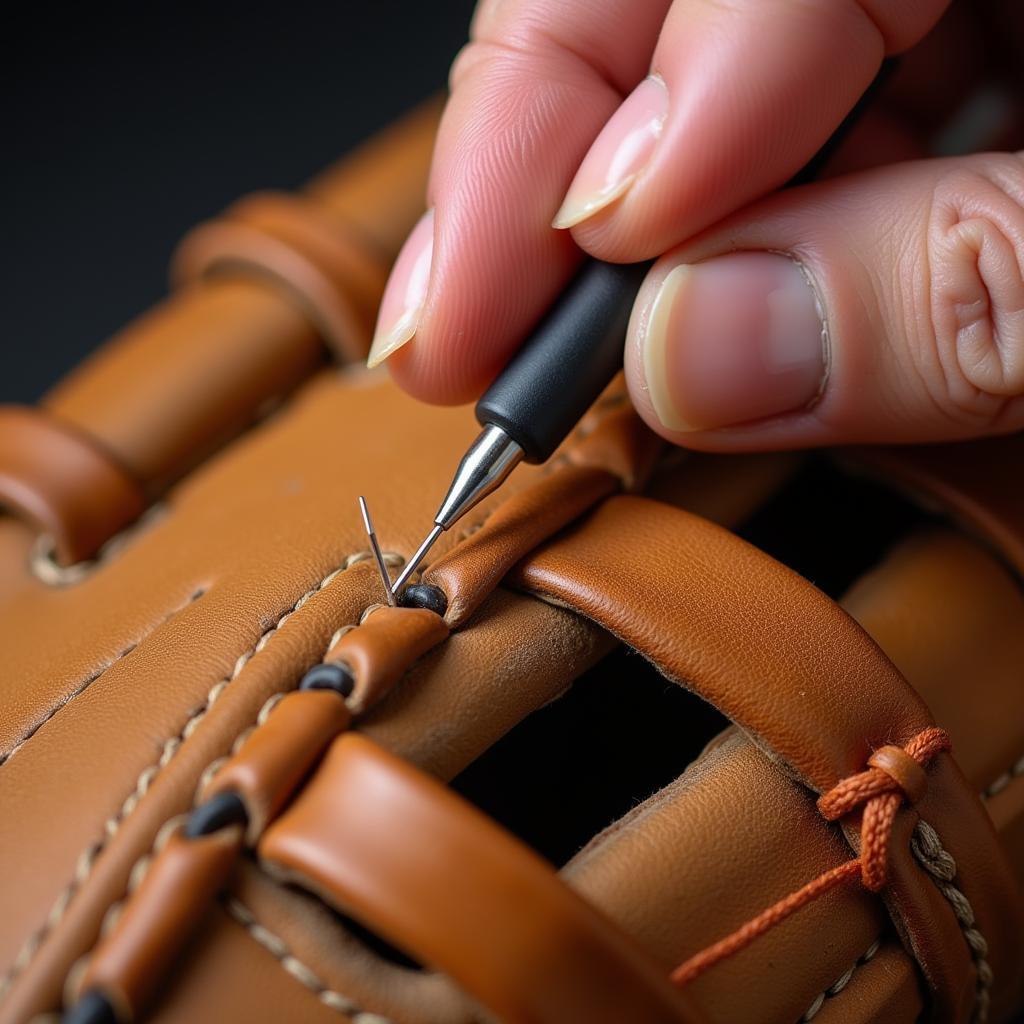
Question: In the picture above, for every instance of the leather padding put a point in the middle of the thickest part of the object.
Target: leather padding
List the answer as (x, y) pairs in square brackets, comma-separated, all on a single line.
[(376, 837), (806, 683), (63, 484)]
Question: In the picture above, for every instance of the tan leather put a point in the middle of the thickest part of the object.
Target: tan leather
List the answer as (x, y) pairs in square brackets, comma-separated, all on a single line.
[(494, 542), (375, 837), (278, 753), (171, 900), (701, 856), (383, 647), (930, 603), (188, 375), (901, 767), (718, 637), (225, 974), (258, 533), (124, 688), (328, 273), (63, 485), (215, 356)]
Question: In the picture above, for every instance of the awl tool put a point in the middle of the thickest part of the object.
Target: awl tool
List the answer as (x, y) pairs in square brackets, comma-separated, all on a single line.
[(569, 360), (544, 391)]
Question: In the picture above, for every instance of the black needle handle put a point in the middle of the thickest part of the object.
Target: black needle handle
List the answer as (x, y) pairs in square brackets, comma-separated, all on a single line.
[(577, 349), (568, 361)]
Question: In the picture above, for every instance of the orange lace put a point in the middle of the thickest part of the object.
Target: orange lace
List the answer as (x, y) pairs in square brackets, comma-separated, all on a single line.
[(880, 790)]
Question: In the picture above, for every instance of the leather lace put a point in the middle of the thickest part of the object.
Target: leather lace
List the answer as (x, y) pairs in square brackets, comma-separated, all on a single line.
[(880, 794)]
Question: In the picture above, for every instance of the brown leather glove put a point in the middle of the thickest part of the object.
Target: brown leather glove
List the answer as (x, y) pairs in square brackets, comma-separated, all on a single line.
[(223, 761)]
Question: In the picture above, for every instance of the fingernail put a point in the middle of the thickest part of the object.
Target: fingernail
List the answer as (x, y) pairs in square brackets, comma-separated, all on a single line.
[(406, 289), (732, 340), (618, 154)]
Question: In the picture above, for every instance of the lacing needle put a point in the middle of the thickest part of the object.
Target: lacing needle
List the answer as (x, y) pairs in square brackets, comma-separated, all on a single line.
[(557, 375), (378, 555), (544, 391)]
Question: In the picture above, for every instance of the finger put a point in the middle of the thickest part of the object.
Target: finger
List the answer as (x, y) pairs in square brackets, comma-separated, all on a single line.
[(887, 306), (751, 90), (530, 92)]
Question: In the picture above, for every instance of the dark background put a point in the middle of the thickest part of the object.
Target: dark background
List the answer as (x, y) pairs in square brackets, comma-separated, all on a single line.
[(122, 131)]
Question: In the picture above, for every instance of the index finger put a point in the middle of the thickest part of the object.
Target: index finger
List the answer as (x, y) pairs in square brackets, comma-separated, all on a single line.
[(529, 94), (752, 89)]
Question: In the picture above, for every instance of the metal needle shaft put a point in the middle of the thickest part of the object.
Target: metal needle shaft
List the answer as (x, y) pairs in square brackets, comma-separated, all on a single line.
[(378, 555), (413, 563)]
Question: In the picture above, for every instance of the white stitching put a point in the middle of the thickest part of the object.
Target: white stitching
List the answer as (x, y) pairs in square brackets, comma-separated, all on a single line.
[(301, 972), (840, 983), (87, 858), (938, 862)]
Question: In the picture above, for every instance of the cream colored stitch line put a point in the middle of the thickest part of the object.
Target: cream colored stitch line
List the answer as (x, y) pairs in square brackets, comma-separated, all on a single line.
[(302, 973), (1015, 771), (87, 858), (840, 983), (938, 862), (85, 684)]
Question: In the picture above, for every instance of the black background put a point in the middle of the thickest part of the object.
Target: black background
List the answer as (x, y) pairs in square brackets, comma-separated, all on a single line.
[(121, 131)]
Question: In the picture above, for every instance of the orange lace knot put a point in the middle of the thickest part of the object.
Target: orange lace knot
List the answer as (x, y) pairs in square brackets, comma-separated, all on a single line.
[(893, 775)]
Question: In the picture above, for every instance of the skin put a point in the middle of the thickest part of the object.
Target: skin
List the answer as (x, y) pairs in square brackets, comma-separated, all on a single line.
[(917, 264)]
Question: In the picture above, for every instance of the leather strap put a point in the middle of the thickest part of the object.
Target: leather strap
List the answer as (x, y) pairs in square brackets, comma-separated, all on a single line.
[(291, 241), (169, 903), (375, 837), (611, 449), (62, 484), (382, 647), (205, 363), (781, 660), (978, 482), (275, 757)]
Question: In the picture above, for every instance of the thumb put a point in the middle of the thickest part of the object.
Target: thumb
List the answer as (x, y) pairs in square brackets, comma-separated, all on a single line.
[(886, 306)]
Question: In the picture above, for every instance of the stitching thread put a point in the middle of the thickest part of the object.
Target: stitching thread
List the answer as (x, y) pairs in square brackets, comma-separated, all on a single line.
[(301, 972), (85, 684), (1015, 771), (87, 858), (881, 795), (961, 907), (840, 983), (938, 862)]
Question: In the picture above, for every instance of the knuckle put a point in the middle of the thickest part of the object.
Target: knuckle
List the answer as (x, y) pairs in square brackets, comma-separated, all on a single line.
[(970, 350)]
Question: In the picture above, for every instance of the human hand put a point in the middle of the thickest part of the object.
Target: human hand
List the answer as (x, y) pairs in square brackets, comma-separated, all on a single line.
[(881, 305)]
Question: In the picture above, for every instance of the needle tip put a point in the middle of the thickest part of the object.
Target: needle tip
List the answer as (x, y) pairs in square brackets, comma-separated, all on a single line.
[(413, 563)]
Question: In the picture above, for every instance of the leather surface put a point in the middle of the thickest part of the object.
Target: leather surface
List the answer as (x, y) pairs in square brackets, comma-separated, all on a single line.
[(383, 648), (213, 357), (159, 919), (74, 495), (376, 838), (290, 241), (125, 687), (267, 767), (724, 615), (160, 674)]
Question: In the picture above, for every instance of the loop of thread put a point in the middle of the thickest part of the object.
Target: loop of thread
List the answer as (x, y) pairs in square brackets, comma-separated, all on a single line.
[(881, 795)]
